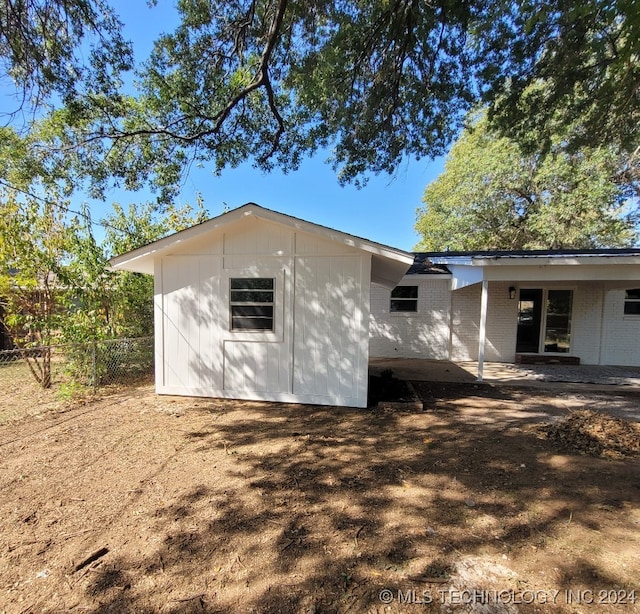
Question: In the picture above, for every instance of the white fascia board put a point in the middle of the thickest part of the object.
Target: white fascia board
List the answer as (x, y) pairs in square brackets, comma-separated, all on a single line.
[(540, 273), (465, 275), (559, 260), (141, 260), (452, 260)]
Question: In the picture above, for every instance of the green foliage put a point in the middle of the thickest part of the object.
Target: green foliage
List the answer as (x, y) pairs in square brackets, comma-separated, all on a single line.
[(55, 284), (131, 294), (68, 48), (33, 244), (565, 68), (376, 81), (71, 390), (104, 362), (275, 80), (493, 196)]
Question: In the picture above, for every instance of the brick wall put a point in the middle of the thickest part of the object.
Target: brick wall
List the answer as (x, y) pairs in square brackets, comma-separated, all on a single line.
[(621, 335), (586, 322), (447, 323), (501, 330), (424, 334)]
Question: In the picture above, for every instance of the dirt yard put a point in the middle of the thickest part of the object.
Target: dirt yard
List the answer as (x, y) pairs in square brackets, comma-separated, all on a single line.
[(146, 504)]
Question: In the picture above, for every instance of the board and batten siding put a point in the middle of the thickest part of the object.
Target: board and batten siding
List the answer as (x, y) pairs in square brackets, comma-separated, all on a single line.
[(331, 328), (318, 350)]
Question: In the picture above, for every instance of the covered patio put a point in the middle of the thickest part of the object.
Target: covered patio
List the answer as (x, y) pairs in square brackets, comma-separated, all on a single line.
[(416, 369), (486, 311), (566, 307)]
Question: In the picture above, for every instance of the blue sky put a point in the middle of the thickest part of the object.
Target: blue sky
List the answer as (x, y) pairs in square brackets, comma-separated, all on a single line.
[(383, 211)]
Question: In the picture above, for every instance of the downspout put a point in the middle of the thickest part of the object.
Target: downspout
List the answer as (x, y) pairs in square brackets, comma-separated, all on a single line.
[(484, 300)]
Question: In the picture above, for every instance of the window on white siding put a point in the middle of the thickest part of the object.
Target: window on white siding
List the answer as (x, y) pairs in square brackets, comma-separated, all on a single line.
[(251, 302), (632, 302), (404, 298)]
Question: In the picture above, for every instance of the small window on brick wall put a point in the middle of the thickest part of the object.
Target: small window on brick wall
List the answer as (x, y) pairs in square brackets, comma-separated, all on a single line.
[(632, 302), (251, 303), (404, 298)]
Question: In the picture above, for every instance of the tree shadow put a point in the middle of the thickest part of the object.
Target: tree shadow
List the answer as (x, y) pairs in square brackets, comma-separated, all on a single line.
[(314, 509)]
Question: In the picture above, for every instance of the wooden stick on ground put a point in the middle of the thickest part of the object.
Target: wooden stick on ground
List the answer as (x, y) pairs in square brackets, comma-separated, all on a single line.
[(92, 557)]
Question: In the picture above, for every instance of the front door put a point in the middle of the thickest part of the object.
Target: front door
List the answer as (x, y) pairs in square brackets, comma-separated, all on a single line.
[(544, 321), (529, 321)]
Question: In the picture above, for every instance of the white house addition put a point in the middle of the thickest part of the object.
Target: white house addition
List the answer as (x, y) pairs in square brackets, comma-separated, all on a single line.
[(562, 306), (258, 305)]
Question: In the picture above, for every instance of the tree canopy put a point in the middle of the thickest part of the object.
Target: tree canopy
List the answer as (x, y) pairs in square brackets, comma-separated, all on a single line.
[(375, 81), (59, 47), (491, 195)]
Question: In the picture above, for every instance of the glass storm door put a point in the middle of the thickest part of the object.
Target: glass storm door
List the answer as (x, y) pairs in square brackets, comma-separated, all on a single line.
[(557, 330)]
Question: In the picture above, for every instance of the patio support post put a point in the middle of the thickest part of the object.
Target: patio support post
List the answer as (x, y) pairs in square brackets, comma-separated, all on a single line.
[(484, 300)]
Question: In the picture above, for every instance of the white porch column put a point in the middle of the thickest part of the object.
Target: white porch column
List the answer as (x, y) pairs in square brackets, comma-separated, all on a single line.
[(484, 300)]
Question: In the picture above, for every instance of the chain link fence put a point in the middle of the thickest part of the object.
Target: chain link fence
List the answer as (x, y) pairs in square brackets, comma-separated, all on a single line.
[(91, 365)]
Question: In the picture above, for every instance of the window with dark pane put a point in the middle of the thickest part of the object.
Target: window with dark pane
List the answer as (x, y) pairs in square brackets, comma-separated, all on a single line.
[(251, 301), (632, 302), (404, 298)]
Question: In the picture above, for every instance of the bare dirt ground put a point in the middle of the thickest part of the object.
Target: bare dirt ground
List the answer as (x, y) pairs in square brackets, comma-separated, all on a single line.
[(139, 503)]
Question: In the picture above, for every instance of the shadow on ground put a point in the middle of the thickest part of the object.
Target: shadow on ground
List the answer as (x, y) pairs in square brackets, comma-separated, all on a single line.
[(303, 509)]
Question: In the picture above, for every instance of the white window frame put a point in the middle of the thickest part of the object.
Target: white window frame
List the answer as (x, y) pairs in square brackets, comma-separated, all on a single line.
[(249, 303), (279, 298)]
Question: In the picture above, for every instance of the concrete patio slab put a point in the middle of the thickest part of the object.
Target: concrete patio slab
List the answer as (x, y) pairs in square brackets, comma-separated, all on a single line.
[(504, 373)]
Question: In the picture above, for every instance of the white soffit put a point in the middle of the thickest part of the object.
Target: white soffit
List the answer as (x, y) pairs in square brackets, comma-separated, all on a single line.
[(468, 270)]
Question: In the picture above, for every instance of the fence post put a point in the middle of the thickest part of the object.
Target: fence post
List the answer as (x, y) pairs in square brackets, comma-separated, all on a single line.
[(94, 370)]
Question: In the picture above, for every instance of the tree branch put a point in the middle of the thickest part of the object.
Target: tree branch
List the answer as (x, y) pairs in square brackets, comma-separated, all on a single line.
[(261, 80)]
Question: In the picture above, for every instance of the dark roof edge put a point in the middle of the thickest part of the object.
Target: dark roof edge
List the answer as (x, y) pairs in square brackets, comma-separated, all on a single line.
[(523, 253)]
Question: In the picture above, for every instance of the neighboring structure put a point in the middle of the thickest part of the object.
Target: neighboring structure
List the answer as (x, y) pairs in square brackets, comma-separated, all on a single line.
[(506, 306), (259, 305)]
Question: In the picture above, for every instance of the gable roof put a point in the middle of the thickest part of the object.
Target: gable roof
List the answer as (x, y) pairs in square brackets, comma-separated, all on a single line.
[(388, 264)]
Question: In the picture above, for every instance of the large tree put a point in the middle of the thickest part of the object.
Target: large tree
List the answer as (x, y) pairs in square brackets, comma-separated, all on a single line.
[(375, 81), (491, 195)]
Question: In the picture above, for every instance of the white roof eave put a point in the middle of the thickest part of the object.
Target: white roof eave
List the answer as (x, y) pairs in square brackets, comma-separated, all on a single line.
[(141, 260)]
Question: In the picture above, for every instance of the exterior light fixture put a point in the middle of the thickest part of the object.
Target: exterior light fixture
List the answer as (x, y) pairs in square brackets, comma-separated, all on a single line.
[(512, 292)]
